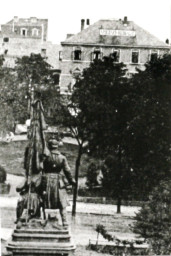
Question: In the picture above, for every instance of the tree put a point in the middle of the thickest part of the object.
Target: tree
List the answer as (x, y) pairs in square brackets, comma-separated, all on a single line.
[(94, 175), (129, 120), (103, 99), (3, 174), (149, 134), (30, 71), (153, 222), (116, 182), (71, 117), (12, 99), (34, 71)]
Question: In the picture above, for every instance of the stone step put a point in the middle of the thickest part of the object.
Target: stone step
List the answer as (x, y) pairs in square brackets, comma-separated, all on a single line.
[(46, 249), (42, 231), (40, 244), (41, 237)]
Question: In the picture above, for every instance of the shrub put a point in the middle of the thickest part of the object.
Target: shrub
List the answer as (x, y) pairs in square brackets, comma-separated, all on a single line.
[(3, 175), (153, 222)]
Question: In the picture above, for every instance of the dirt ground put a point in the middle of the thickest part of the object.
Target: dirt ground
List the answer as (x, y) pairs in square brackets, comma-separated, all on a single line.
[(82, 226)]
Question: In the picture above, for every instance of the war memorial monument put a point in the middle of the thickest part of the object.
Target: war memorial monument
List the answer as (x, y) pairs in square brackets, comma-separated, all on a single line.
[(38, 229)]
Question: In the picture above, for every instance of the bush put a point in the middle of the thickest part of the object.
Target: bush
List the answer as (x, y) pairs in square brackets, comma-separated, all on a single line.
[(94, 175), (153, 222), (3, 175)]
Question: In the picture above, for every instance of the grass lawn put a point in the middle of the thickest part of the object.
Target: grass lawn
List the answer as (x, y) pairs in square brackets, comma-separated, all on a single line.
[(83, 228), (12, 157)]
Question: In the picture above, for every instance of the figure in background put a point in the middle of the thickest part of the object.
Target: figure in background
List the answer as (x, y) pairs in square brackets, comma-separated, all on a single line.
[(57, 177)]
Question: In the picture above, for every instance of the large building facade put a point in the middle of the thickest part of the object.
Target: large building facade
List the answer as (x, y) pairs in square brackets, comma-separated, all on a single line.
[(21, 37), (126, 41)]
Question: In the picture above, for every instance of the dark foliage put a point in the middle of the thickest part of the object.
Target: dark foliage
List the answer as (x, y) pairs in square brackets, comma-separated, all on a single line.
[(153, 222), (3, 175)]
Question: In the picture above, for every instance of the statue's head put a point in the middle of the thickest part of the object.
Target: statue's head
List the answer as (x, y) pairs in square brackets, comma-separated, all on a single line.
[(53, 144)]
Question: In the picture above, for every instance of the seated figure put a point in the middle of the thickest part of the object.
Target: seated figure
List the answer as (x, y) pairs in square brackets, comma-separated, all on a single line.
[(31, 198)]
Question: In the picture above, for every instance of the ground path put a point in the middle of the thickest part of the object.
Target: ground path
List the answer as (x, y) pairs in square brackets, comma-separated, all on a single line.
[(83, 226)]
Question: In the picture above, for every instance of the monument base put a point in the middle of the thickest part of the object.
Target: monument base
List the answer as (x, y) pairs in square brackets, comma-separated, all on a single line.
[(41, 238)]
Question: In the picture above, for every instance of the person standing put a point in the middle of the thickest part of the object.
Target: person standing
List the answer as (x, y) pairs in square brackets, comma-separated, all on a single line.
[(56, 176)]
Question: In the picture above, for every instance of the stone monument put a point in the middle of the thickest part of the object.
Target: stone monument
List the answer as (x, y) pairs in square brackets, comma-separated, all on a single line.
[(38, 231)]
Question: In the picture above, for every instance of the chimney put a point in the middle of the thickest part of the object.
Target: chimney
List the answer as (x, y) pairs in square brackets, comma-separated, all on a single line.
[(15, 19), (125, 21), (69, 35), (167, 41), (82, 24), (88, 22), (33, 19)]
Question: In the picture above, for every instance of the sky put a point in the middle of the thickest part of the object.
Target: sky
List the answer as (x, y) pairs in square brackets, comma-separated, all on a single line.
[(65, 15)]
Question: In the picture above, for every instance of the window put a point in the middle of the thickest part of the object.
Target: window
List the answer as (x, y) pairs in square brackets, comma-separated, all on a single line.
[(23, 32), (5, 52), (135, 57), (96, 54), (77, 54), (6, 39), (60, 55), (116, 55), (35, 32), (153, 56), (43, 53), (76, 73)]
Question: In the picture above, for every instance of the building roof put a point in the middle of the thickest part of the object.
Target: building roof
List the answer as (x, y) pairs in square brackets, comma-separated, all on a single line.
[(116, 33), (33, 21)]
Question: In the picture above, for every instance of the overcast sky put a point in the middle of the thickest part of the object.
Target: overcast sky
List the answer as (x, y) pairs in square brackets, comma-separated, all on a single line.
[(64, 15)]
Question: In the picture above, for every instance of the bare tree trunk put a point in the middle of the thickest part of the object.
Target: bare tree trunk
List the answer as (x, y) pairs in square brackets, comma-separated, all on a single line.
[(120, 192), (119, 205), (77, 165)]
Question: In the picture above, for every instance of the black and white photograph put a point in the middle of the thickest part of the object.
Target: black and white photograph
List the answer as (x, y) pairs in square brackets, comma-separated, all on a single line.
[(85, 127)]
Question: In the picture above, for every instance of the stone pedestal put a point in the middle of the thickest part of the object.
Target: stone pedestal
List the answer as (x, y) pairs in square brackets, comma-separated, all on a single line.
[(41, 239)]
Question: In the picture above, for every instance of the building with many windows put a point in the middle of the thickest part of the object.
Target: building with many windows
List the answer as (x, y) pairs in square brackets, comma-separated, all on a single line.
[(23, 36), (126, 41)]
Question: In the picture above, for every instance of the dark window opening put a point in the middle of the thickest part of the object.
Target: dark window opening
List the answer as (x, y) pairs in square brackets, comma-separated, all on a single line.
[(6, 39), (154, 56), (77, 55), (5, 52), (96, 55), (23, 32), (135, 56), (43, 52), (116, 56), (55, 78), (60, 55)]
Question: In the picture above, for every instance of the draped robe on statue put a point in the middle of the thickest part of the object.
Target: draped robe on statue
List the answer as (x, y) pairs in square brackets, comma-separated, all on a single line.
[(32, 190)]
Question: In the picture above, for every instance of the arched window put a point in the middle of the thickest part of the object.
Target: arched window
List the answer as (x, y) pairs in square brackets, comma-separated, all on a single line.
[(76, 72), (76, 54), (116, 55), (23, 31), (35, 32), (96, 54)]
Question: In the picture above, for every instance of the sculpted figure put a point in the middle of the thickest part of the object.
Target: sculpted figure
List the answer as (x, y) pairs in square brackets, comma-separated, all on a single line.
[(31, 198), (57, 177)]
